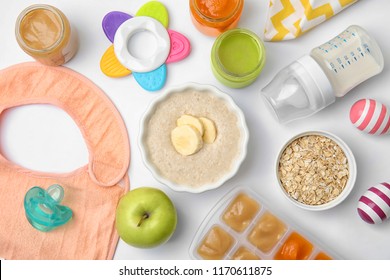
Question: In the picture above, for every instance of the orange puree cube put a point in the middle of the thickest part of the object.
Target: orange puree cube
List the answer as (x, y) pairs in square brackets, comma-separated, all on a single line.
[(216, 244), (243, 253), (267, 232), (296, 247), (322, 256), (240, 213)]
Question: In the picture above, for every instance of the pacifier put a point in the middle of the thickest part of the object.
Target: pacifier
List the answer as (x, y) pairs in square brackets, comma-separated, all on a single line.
[(150, 71), (43, 208)]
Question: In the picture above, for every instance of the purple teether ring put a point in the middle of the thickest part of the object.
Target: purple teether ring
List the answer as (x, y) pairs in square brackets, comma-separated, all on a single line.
[(111, 23)]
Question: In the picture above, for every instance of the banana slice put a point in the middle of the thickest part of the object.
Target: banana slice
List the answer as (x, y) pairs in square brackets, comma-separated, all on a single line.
[(186, 139), (210, 131), (190, 120)]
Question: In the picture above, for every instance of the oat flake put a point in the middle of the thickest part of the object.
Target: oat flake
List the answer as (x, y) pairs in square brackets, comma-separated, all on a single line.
[(313, 169)]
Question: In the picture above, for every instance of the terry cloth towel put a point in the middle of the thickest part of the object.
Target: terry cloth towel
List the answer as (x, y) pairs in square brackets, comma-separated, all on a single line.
[(288, 19), (92, 191)]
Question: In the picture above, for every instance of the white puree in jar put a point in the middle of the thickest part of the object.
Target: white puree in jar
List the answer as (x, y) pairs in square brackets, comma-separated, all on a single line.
[(214, 160)]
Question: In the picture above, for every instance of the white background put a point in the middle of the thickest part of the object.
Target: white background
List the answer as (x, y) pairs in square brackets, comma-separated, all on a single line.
[(45, 138), (374, 269)]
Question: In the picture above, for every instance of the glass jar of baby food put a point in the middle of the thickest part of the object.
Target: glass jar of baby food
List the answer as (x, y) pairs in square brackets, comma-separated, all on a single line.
[(213, 17), (237, 57), (44, 32)]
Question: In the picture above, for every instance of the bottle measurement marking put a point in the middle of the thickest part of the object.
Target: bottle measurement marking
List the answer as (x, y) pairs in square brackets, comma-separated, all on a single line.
[(357, 53), (342, 63)]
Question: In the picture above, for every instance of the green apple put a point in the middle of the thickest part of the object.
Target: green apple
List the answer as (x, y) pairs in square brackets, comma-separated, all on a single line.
[(145, 217)]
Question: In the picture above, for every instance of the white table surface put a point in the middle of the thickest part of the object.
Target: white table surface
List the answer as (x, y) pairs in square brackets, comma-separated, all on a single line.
[(44, 138)]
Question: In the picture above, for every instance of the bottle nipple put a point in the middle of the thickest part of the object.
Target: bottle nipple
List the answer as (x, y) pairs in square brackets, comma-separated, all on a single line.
[(299, 90), (291, 93)]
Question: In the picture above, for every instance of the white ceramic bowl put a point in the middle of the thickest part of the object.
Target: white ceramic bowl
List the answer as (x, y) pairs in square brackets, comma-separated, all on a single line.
[(242, 145), (351, 178)]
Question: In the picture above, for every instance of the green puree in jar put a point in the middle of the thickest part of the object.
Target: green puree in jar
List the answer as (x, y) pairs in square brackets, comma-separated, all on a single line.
[(238, 56)]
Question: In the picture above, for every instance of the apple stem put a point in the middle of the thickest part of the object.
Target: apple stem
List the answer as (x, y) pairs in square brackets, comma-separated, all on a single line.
[(144, 217)]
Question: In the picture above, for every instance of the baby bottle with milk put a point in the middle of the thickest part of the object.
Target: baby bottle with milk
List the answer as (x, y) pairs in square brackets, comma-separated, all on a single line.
[(331, 70)]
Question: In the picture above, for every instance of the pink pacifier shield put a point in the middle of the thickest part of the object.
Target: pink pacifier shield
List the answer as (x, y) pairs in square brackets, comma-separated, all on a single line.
[(112, 21), (180, 47), (374, 204), (370, 116)]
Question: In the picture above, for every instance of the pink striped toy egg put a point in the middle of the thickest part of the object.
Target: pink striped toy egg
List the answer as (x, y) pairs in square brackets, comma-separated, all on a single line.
[(374, 204), (370, 116)]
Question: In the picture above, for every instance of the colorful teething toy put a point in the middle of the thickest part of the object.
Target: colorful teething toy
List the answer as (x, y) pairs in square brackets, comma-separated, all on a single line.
[(370, 116), (150, 72), (43, 209)]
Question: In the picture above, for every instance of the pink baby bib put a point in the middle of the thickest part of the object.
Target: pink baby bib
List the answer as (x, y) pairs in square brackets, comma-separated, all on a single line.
[(92, 191)]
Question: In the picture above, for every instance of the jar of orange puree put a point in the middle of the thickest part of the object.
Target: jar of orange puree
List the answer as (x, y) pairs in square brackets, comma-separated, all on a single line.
[(213, 17), (44, 33)]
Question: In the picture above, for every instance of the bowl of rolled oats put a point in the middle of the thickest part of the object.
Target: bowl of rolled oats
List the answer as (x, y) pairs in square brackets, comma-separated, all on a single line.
[(316, 170)]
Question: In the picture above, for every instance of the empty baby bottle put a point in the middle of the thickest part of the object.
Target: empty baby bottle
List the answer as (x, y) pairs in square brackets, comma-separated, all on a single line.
[(331, 70)]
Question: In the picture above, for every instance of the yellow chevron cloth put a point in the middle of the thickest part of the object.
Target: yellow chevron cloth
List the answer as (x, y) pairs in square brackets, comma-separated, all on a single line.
[(288, 19)]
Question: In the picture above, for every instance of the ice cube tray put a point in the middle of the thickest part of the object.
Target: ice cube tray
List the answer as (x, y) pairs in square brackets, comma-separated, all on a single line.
[(243, 226)]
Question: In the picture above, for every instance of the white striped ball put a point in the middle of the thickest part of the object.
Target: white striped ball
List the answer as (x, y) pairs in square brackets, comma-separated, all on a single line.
[(370, 116), (374, 204)]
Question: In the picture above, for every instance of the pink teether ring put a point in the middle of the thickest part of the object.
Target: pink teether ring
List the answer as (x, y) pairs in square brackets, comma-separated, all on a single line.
[(180, 47)]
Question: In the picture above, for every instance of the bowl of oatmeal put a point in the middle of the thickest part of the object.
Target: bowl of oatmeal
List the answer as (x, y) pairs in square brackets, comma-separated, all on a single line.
[(316, 170), (193, 138)]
